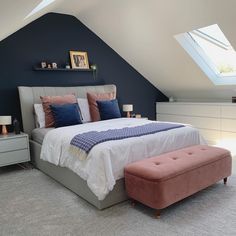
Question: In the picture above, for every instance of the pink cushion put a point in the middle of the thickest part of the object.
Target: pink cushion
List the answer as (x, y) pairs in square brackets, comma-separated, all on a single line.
[(93, 107), (168, 178), (48, 100)]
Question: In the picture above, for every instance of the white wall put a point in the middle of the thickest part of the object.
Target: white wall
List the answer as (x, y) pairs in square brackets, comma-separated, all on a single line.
[(13, 13), (142, 32)]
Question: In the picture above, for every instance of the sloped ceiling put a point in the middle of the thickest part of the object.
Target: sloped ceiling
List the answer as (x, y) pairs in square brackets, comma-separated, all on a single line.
[(142, 33)]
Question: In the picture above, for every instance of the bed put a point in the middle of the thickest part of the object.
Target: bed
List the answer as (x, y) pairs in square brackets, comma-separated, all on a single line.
[(72, 178)]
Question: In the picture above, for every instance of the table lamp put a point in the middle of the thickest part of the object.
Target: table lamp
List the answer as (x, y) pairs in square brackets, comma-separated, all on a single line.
[(5, 120), (128, 108)]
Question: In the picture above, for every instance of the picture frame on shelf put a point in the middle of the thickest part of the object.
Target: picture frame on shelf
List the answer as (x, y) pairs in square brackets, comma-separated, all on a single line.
[(79, 60)]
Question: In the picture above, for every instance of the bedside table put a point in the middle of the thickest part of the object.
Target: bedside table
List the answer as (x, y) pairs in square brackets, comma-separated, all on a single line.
[(14, 149)]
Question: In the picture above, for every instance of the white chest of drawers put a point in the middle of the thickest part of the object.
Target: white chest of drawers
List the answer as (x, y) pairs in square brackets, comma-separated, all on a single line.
[(216, 121), (14, 148)]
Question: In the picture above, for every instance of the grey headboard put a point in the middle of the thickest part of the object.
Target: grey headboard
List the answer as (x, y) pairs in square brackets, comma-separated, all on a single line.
[(31, 95)]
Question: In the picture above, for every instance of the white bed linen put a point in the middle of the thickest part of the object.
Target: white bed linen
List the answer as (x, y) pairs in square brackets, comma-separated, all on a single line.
[(105, 162)]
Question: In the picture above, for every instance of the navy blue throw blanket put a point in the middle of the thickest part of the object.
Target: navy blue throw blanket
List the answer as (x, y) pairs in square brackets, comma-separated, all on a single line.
[(86, 141)]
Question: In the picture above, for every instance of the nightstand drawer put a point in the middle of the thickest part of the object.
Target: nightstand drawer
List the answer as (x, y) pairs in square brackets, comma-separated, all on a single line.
[(8, 158), (13, 144)]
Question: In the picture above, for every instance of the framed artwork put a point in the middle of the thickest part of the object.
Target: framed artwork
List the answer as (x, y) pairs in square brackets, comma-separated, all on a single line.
[(79, 60)]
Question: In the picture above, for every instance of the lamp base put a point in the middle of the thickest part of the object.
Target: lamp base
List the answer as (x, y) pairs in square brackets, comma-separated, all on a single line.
[(4, 130), (128, 114)]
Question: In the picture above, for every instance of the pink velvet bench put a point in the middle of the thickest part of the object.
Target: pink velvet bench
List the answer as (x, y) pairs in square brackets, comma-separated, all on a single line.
[(163, 180)]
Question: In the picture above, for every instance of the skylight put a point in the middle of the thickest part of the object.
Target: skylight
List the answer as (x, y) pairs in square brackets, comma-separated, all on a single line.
[(211, 50), (39, 7)]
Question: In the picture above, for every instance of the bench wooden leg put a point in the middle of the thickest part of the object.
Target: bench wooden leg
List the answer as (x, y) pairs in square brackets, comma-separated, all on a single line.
[(225, 180), (158, 214)]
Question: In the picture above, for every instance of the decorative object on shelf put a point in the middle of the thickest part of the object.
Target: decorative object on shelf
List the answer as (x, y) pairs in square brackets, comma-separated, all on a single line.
[(61, 69), (43, 64), (171, 99), (54, 65), (233, 99), (49, 66), (94, 68), (67, 66), (79, 60), (16, 125), (5, 120), (128, 108)]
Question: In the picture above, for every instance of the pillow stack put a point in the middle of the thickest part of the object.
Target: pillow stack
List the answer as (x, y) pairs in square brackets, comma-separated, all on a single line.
[(59, 111), (93, 106), (103, 106), (47, 101)]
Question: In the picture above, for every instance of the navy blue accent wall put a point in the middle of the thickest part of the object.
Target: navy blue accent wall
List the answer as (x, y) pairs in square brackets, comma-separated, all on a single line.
[(50, 38)]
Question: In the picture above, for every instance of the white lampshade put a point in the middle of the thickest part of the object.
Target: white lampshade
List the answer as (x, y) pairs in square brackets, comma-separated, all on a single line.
[(127, 107), (5, 120)]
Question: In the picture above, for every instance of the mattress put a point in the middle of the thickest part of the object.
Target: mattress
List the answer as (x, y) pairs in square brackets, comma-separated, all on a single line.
[(105, 162), (38, 134)]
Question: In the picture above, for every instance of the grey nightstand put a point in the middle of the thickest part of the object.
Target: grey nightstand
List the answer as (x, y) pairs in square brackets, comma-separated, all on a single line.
[(14, 148)]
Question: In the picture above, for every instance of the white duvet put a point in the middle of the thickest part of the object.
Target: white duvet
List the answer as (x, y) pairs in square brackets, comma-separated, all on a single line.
[(106, 161)]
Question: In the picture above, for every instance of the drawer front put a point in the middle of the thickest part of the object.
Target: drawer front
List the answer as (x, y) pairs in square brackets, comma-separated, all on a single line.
[(8, 158), (228, 136), (188, 109), (7, 145), (198, 122), (228, 112), (228, 125)]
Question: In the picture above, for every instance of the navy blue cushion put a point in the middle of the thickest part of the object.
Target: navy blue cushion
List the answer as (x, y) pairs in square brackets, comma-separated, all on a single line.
[(109, 109), (65, 115)]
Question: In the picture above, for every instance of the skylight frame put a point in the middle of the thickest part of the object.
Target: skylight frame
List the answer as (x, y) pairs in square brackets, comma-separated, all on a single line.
[(203, 61), (209, 38)]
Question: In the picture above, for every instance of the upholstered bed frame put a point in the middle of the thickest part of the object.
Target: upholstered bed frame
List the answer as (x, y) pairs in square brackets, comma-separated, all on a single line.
[(30, 96)]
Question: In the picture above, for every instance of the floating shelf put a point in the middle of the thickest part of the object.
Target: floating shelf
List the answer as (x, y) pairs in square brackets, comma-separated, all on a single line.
[(62, 69)]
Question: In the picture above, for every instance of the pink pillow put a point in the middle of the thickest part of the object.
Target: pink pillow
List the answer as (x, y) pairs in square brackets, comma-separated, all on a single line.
[(93, 107), (48, 100)]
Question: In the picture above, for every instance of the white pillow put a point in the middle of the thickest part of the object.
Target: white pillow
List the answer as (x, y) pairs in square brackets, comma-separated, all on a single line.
[(39, 115), (84, 108)]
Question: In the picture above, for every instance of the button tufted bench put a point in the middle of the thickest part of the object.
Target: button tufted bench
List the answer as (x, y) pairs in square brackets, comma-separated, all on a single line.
[(163, 180)]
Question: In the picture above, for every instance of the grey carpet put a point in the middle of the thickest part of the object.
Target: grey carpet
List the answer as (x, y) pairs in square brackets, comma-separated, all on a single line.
[(33, 204)]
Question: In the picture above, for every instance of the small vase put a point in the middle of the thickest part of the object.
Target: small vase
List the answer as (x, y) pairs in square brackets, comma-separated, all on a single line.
[(16, 125)]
